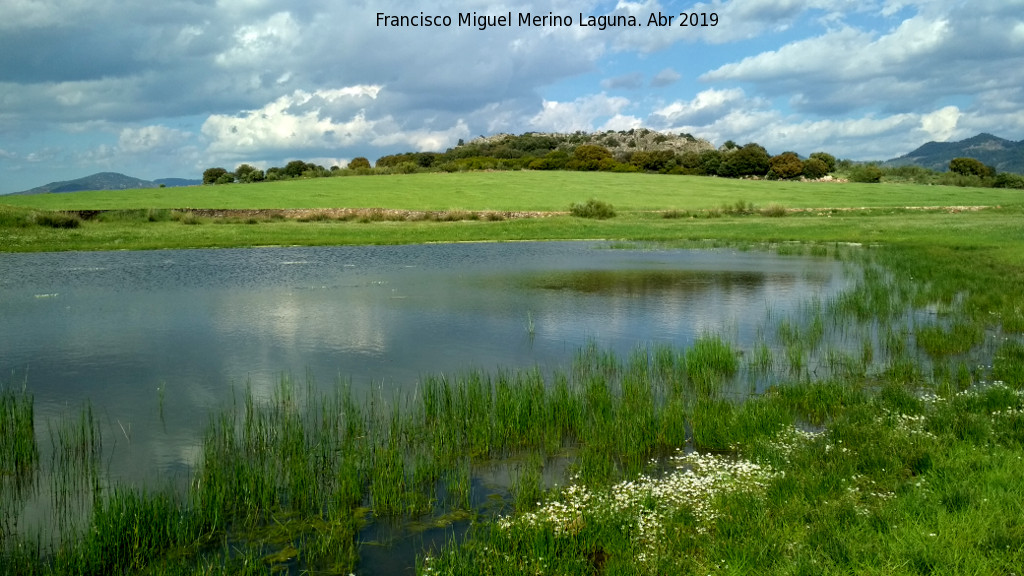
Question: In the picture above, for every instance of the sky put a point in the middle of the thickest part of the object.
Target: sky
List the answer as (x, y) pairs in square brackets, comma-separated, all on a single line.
[(168, 89)]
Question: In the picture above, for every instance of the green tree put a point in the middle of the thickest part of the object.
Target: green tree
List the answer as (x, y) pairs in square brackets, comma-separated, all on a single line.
[(225, 178), (554, 160), (970, 167), (815, 168), (244, 172), (588, 157), (828, 159), (750, 160), (210, 175), (785, 166), (358, 162), (654, 160), (710, 161), (295, 168)]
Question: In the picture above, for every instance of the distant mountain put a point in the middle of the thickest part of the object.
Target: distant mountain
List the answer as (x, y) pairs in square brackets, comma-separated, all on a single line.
[(1004, 155), (106, 181)]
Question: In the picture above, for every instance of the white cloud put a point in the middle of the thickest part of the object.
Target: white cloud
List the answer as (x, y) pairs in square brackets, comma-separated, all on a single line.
[(322, 119), (420, 140), (941, 124), (256, 45), (292, 121), (150, 139), (705, 107), (622, 122), (924, 58), (581, 114)]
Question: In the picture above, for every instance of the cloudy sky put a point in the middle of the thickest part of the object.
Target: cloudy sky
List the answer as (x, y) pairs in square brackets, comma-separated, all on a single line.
[(166, 89)]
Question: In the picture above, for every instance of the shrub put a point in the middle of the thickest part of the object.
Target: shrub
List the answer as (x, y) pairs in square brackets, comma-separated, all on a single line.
[(593, 209), (588, 157), (750, 160), (1008, 180), (738, 208), (210, 175), (866, 173), (828, 159), (358, 162), (773, 210), (815, 168), (58, 220), (785, 166)]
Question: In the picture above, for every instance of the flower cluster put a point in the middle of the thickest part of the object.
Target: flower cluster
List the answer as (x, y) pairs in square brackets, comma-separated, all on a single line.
[(646, 504)]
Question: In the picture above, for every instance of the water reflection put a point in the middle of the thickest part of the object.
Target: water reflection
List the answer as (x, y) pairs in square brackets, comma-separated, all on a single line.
[(176, 333)]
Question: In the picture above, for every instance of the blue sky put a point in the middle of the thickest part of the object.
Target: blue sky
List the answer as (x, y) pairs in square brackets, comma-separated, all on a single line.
[(168, 89)]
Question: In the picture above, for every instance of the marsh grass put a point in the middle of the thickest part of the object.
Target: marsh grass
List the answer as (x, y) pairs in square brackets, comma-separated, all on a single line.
[(19, 456), (709, 362)]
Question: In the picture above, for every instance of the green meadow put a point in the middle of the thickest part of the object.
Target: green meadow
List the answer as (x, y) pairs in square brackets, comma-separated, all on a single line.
[(900, 453), (521, 191)]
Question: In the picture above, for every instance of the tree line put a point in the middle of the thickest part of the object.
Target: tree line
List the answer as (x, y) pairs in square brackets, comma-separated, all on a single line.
[(626, 151)]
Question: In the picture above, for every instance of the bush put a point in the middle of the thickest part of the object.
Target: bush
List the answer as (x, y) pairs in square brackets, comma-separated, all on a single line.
[(593, 209), (750, 160), (785, 166), (58, 220), (815, 168), (590, 158), (828, 159), (868, 173), (773, 210), (210, 175), (1008, 180), (358, 162)]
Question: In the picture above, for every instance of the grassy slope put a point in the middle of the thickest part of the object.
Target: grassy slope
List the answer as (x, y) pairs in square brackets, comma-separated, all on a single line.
[(527, 190)]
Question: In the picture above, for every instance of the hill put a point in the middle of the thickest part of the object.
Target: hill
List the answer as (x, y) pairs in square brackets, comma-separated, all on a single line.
[(1004, 155), (105, 181)]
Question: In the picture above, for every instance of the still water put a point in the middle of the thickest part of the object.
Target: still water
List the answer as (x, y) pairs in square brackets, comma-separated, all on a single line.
[(156, 340)]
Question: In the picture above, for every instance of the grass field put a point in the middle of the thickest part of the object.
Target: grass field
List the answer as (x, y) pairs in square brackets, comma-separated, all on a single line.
[(912, 467), (524, 190), (880, 214)]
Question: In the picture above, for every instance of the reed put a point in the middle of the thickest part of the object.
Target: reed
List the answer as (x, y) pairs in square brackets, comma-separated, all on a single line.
[(19, 456), (709, 362)]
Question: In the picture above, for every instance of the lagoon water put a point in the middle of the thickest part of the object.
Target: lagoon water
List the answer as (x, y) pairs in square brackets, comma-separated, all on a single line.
[(158, 340)]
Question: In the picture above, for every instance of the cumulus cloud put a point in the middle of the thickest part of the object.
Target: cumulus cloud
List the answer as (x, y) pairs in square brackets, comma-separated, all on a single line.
[(150, 139), (915, 64), (291, 121), (321, 120), (583, 113), (701, 110), (257, 44)]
